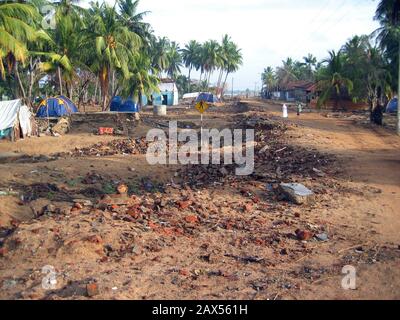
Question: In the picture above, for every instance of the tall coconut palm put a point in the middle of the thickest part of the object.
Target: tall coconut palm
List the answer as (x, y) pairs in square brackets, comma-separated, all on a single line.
[(310, 62), (190, 57), (141, 80), (159, 53), (388, 15), (174, 60), (332, 83), (224, 49), (234, 61), (133, 19), (286, 73), (115, 45), (17, 29), (268, 79), (211, 54)]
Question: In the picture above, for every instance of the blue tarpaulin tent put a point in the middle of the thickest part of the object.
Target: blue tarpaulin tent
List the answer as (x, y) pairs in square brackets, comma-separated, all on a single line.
[(56, 107), (392, 106), (207, 97), (116, 103), (127, 106)]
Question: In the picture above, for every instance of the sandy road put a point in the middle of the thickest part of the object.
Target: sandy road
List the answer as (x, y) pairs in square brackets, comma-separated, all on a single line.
[(371, 156)]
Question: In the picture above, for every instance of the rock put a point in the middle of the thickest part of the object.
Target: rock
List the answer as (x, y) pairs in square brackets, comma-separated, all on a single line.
[(83, 202), (319, 172), (77, 205), (62, 127), (50, 208), (92, 289), (304, 235), (322, 236), (296, 193)]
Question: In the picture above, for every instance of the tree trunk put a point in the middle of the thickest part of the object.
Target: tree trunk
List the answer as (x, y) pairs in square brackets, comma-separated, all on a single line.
[(32, 66), (113, 82), (71, 91), (21, 86), (60, 80), (104, 84), (190, 70), (208, 80), (223, 87), (219, 80), (95, 91)]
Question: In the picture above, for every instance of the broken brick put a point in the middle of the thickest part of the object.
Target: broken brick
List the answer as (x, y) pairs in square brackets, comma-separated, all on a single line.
[(3, 252), (92, 289), (304, 235), (94, 239), (184, 272), (184, 204), (191, 219)]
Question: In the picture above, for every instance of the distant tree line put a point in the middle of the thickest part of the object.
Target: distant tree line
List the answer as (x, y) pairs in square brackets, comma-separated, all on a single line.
[(58, 47), (366, 67)]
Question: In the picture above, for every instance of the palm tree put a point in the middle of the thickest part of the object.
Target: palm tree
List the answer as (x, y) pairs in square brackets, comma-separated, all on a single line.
[(190, 56), (115, 45), (268, 79), (310, 62), (212, 58), (134, 20), (174, 60), (17, 29), (332, 83), (225, 47), (159, 52), (67, 40), (234, 61), (141, 80), (388, 35), (286, 73)]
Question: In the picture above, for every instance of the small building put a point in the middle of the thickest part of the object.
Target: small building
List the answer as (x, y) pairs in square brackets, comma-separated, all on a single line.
[(294, 91), (168, 94), (299, 91)]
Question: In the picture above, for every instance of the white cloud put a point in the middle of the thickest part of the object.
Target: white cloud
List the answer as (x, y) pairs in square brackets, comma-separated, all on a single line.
[(268, 31)]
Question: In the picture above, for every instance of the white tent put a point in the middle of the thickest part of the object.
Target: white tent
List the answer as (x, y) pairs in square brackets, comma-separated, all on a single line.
[(192, 95), (16, 120)]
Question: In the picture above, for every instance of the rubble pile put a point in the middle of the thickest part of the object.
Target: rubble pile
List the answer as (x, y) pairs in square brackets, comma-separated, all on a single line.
[(275, 160), (121, 146)]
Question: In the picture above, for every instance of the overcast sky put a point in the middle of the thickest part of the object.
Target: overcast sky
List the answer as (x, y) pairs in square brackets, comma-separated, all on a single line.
[(267, 31)]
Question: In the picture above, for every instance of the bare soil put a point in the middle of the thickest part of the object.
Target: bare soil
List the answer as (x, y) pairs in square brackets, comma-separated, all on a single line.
[(200, 232)]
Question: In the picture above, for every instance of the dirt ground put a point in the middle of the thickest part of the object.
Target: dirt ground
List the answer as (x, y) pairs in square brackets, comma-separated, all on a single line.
[(200, 232)]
